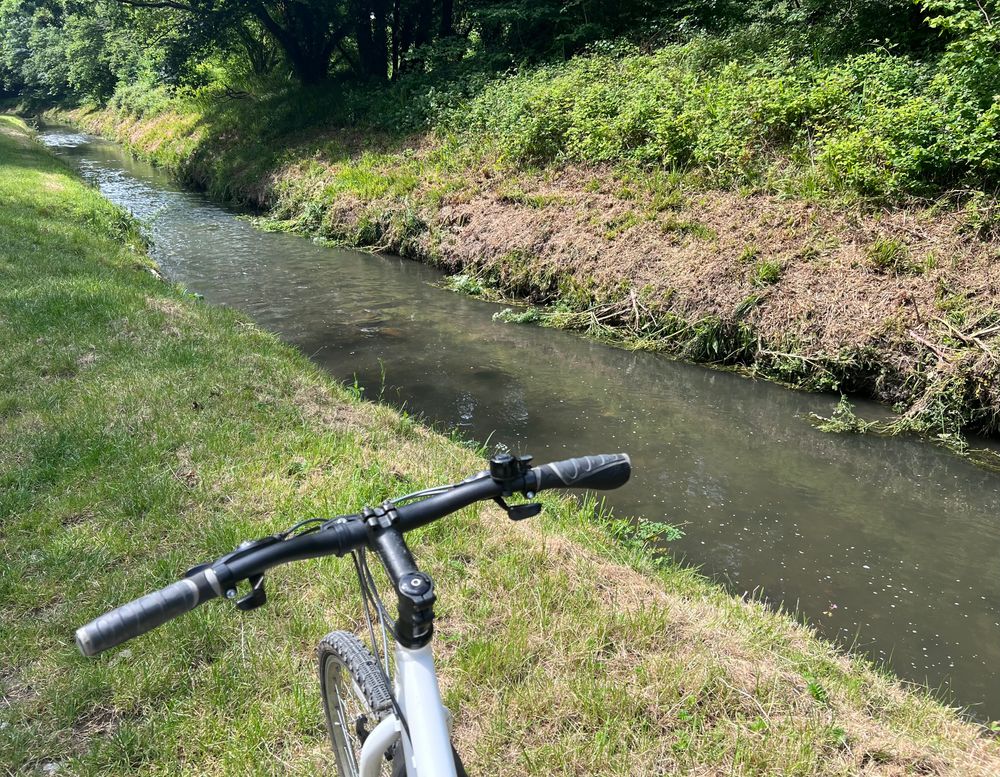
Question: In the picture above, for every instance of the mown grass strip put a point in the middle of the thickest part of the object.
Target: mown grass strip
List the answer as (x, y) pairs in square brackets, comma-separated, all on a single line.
[(143, 431)]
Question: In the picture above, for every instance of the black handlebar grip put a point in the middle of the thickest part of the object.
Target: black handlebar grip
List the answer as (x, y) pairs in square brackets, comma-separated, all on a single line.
[(602, 472), (146, 613)]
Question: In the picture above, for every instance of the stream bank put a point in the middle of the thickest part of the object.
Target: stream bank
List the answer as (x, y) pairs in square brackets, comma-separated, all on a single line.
[(897, 304)]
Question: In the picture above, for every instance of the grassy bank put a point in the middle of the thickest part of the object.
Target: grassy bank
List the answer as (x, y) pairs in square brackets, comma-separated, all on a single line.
[(143, 431), (827, 225)]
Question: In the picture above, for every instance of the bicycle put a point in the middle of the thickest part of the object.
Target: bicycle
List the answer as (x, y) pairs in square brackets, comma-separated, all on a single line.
[(377, 725)]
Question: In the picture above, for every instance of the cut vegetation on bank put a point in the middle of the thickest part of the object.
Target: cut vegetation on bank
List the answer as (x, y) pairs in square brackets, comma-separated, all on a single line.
[(825, 225), (144, 431)]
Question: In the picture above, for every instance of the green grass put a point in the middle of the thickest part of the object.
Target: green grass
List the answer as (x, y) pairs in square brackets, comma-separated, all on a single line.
[(765, 272), (144, 431), (890, 255)]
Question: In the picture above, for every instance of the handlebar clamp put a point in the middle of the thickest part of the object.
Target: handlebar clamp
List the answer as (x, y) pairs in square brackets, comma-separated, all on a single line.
[(416, 609), (383, 516)]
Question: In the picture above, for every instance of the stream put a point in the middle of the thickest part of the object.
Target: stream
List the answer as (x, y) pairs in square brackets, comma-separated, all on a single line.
[(890, 546)]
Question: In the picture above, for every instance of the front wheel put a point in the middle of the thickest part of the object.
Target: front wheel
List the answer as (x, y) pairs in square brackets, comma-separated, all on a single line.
[(355, 699)]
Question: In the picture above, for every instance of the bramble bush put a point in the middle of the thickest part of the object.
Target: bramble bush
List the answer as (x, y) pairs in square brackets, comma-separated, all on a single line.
[(878, 123)]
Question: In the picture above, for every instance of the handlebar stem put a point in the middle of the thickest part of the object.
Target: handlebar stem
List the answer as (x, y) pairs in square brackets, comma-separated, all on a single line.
[(414, 589)]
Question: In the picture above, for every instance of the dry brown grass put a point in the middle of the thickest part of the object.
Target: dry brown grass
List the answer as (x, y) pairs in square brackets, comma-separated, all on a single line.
[(704, 676)]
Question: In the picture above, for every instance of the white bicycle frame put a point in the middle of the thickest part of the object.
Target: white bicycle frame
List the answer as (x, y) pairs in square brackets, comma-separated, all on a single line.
[(427, 749)]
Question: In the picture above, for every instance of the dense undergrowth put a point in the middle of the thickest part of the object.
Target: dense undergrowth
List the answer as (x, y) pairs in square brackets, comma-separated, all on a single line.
[(144, 431), (750, 110), (870, 125)]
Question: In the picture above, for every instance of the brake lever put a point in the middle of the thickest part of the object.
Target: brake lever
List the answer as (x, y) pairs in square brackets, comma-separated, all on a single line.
[(519, 512), (258, 594)]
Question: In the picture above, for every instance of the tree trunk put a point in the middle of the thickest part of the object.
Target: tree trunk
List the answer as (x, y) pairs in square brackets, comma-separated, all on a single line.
[(380, 41), (311, 71), (363, 36), (308, 54), (447, 18), (370, 31), (397, 32), (425, 17)]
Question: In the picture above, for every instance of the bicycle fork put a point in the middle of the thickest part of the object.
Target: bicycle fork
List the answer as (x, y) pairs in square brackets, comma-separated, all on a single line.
[(427, 750)]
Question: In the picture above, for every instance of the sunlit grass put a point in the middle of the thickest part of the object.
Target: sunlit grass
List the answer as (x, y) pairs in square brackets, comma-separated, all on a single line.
[(142, 431)]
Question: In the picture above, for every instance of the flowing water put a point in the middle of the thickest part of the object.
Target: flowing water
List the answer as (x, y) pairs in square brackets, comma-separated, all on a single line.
[(892, 546)]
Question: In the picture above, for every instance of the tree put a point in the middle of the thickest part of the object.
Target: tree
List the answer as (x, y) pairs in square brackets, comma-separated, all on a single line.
[(32, 55), (307, 31), (89, 68)]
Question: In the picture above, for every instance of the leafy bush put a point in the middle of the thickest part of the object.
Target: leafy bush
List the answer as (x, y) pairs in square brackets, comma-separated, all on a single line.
[(973, 39), (877, 123), (141, 98)]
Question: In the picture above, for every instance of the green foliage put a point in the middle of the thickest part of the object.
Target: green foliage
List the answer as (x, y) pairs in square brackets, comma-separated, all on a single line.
[(878, 124), (530, 315), (766, 272), (32, 59), (971, 28), (890, 255), (466, 284), (816, 690), (840, 28), (843, 420), (56, 49), (981, 215), (775, 97), (89, 58), (794, 98), (715, 340), (746, 305), (641, 535)]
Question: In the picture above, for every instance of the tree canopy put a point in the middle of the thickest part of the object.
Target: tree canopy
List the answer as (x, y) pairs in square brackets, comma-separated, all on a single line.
[(55, 49)]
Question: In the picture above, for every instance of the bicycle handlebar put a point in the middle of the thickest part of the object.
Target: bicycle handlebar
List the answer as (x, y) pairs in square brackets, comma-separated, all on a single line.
[(146, 613), (336, 537), (602, 472)]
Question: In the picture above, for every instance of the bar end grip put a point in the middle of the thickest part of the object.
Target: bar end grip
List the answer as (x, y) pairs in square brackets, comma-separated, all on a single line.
[(144, 614)]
